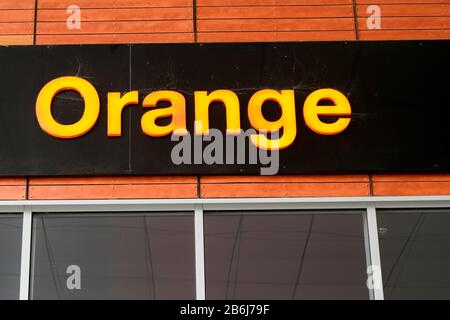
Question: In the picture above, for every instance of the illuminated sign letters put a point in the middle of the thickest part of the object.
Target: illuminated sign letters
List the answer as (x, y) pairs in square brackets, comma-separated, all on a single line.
[(117, 102)]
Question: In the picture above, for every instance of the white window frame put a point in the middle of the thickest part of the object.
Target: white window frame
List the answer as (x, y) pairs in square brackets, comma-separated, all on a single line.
[(198, 206)]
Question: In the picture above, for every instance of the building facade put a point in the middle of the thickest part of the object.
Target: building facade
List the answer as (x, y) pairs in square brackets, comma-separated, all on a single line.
[(366, 234)]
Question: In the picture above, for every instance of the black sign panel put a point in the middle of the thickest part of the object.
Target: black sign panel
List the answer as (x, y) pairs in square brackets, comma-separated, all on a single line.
[(398, 92)]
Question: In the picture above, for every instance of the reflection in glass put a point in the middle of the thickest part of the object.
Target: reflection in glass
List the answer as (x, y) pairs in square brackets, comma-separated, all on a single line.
[(10, 249), (119, 256), (415, 253), (275, 255)]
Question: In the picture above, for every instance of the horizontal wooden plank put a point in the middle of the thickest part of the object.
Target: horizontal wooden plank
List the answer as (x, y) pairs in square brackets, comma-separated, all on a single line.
[(116, 27), (13, 181), (410, 23), (404, 34), (411, 184), (16, 16), (53, 4), (16, 40), (285, 179), (77, 192), (247, 12), (316, 24), (270, 2), (378, 2), (140, 14), (12, 192), (16, 28), (111, 180), (116, 38), (15, 4), (262, 190), (410, 177), (408, 9), (275, 36), (415, 188)]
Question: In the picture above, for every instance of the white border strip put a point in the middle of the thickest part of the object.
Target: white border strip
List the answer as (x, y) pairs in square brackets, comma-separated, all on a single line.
[(26, 254), (375, 252), (199, 255), (226, 204), (367, 250)]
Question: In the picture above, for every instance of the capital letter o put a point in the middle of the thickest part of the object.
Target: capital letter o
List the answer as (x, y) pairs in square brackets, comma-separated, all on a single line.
[(44, 106)]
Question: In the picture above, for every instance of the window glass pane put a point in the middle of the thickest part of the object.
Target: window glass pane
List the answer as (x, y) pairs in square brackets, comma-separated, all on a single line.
[(119, 256), (10, 250), (279, 255), (415, 253)]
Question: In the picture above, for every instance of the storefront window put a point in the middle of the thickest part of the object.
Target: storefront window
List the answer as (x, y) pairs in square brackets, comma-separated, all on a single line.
[(10, 250), (285, 255), (113, 256), (415, 253)]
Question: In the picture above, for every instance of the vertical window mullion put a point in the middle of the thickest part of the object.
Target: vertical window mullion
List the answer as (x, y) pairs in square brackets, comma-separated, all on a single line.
[(367, 249), (374, 249), (25, 254), (199, 253)]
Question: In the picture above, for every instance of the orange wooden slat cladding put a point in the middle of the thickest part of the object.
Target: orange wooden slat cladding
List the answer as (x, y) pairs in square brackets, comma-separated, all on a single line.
[(112, 188), (54, 4), (284, 186), (74, 188), (411, 185), (129, 21), (74, 192), (12, 188), (16, 22), (168, 21)]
